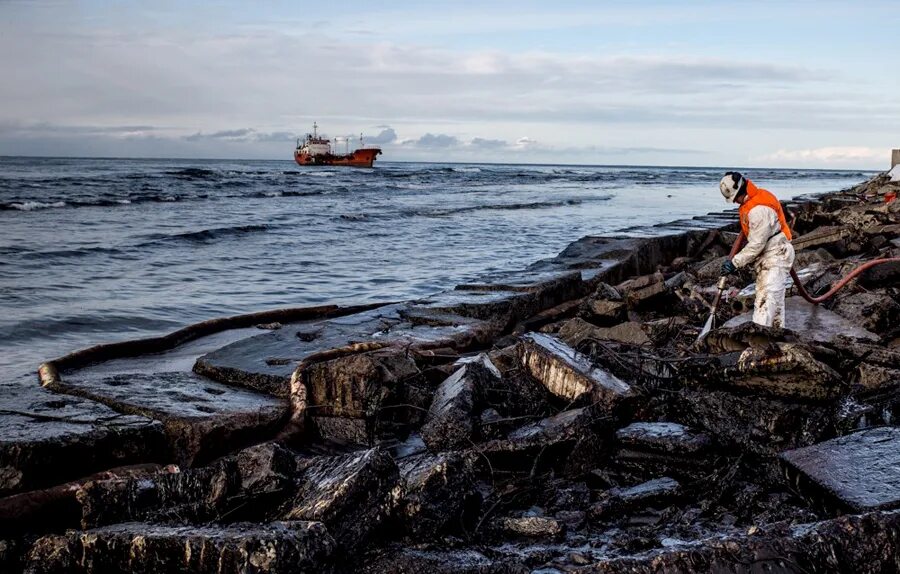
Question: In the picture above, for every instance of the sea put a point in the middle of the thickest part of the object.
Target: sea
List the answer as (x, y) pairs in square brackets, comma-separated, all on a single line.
[(103, 250)]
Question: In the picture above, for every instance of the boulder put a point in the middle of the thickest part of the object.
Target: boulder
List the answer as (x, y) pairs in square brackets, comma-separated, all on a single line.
[(451, 420), (138, 548), (570, 375), (433, 493), (350, 494), (858, 472)]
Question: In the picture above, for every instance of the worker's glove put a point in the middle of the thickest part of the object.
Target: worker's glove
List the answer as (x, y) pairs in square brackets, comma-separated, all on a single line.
[(728, 267)]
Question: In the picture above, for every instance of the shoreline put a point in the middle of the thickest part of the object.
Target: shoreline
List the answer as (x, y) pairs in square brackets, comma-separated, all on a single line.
[(557, 329)]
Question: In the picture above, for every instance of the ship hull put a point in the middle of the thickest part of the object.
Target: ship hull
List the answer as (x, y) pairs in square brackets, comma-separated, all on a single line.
[(360, 158)]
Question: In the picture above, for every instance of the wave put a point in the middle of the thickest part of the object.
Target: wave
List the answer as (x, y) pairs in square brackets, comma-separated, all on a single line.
[(83, 323), (192, 173), (207, 235), (32, 205), (506, 206)]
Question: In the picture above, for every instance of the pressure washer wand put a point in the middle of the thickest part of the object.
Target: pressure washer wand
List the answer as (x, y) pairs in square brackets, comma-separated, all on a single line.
[(715, 307)]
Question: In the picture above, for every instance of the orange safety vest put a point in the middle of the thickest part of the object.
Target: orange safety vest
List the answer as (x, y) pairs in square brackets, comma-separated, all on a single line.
[(758, 196)]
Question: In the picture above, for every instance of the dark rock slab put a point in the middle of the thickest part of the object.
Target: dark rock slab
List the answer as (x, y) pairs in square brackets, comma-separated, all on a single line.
[(361, 396), (56, 508), (244, 485), (786, 370), (506, 306), (665, 437), (550, 439), (202, 418), (549, 287), (47, 439), (761, 425), (651, 449), (451, 420), (148, 548), (813, 322), (193, 496), (266, 362), (658, 492), (351, 494), (434, 491), (860, 472), (570, 375), (877, 312)]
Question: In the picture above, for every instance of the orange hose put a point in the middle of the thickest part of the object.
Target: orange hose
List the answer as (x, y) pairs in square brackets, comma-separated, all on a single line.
[(837, 286)]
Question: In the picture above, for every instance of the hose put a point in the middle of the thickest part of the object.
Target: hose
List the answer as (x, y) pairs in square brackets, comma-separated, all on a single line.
[(837, 286)]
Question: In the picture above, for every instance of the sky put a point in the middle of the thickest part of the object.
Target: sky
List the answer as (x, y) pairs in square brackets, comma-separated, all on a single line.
[(736, 84)]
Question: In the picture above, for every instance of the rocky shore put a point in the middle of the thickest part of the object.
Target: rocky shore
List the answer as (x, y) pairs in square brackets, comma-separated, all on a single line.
[(558, 419)]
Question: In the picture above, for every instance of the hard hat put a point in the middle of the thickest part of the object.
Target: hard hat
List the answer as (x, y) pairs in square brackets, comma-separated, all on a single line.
[(732, 185)]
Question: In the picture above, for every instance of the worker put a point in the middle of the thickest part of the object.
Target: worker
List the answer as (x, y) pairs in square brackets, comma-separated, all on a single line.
[(768, 245)]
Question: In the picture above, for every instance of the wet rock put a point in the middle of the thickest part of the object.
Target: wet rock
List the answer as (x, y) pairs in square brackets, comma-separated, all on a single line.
[(884, 275), (785, 370), (813, 322), (56, 508), (195, 495), (728, 339), (147, 548), (757, 424), (604, 311), (641, 290), (575, 331), (530, 527), (365, 394), (451, 420), (877, 377), (651, 449), (657, 492), (47, 439), (832, 238), (350, 494), (434, 491), (569, 374), (548, 438), (859, 472), (202, 418), (264, 468), (876, 312), (441, 561)]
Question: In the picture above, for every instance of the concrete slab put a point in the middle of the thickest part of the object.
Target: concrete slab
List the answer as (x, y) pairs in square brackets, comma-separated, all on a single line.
[(860, 471), (434, 491), (202, 419), (140, 548), (351, 494), (451, 420), (46, 439), (265, 362), (813, 322), (569, 374), (482, 304)]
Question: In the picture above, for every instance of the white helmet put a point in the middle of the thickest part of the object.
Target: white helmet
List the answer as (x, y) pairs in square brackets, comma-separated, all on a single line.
[(732, 185)]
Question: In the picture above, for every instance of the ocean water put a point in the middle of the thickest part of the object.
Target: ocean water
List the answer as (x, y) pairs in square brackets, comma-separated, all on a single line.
[(101, 250)]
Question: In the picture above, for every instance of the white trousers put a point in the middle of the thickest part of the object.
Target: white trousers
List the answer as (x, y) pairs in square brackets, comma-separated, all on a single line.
[(772, 271)]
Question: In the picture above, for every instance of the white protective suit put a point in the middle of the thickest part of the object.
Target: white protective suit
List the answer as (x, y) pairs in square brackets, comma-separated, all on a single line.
[(774, 256)]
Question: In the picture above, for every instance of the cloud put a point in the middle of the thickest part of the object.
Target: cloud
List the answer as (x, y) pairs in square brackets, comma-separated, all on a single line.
[(244, 134), (852, 155), (482, 143), (385, 136), (439, 141)]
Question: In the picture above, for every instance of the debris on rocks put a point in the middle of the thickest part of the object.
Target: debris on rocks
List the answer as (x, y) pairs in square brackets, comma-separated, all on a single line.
[(559, 419)]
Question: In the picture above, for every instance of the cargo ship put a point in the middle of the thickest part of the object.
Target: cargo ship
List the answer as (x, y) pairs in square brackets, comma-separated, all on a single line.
[(315, 150)]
